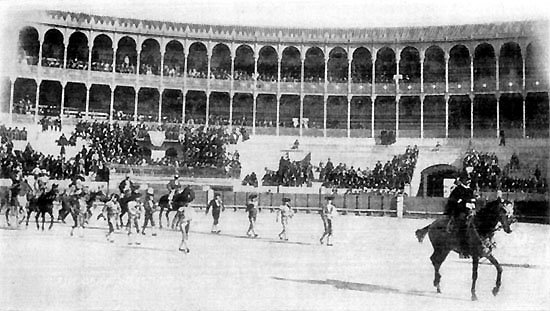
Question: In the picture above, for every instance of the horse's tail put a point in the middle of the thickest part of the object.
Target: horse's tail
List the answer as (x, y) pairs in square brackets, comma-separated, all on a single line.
[(421, 233)]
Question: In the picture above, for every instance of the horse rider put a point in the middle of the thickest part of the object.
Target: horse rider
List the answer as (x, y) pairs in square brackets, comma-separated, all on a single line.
[(284, 212), (173, 186), (149, 209), (459, 206), (41, 183), (126, 185)]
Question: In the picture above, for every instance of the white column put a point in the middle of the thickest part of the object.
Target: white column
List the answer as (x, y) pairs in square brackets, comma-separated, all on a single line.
[(62, 104), (136, 100), (422, 116), (301, 113), (447, 73), (349, 114), (472, 116), (231, 94), (207, 106), (161, 91), (183, 95), (447, 97), (397, 100), (254, 99), (302, 57), (278, 96), (87, 112), (472, 73), (12, 85), (373, 92), (325, 100), (37, 101), (112, 104)]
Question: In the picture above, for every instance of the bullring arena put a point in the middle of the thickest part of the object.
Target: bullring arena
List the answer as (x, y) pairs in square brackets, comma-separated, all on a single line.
[(385, 120)]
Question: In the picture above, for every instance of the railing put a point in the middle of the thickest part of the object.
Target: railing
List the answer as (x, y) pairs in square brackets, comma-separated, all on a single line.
[(461, 87), (410, 88), (361, 88), (385, 88), (290, 87), (314, 88), (434, 87), (158, 170), (337, 88), (266, 86), (243, 86)]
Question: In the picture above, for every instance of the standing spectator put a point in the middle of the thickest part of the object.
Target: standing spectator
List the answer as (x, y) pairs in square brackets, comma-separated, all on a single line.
[(252, 210), (502, 139), (149, 209)]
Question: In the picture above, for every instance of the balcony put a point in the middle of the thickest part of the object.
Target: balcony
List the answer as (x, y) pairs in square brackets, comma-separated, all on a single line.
[(290, 87), (461, 87), (536, 84), (337, 88), (268, 87), (508, 85), (485, 84), (220, 85), (434, 87), (197, 83), (125, 78), (409, 88), (385, 88), (76, 75), (314, 88), (361, 88), (175, 83), (24, 70), (243, 86), (101, 77), (53, 73), (149, 80)]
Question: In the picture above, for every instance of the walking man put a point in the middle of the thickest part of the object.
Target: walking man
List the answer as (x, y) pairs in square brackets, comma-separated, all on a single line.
[(135, 207), (149, 209), (285, 212), (217, 207), (328, 212), (111, 210), (184, 225), (252, 210)]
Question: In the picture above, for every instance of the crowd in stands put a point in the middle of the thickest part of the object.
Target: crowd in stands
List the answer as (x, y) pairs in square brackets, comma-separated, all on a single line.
[(102, 66), (173, 71), (85, 163), (148, 69), (77, 64), (52, 62), (487, 175), (126, 68), (52, 124), (9, 134), (391, 176), (23, 105)]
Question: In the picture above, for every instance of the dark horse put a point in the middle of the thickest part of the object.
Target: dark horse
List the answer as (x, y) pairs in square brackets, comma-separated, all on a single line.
[(68, 204), (123, 201), (17, 200), (480, 229), (179, 200), (42, 205)]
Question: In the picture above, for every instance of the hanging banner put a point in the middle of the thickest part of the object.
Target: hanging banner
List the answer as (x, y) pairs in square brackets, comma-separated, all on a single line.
[(157, 138)]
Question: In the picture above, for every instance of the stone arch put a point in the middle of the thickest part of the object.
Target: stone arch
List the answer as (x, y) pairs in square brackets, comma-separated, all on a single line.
[(291, 64), (434, 64), (314, 65), (53, 48), (220, 64), (149, 57), (77, 51), (126, 55), (409, 64), (28, 45), (267, 63), (361, 66), (385, 65), (459, 64), (337, 65)]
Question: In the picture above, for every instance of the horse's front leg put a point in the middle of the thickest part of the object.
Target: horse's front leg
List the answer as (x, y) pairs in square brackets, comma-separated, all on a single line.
[(51, 219), (437, 258), (37, 216), (8, 216), (497, 265), (475, 264)]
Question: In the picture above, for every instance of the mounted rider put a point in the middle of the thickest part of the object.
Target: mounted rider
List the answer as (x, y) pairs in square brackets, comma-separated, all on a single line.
[(173, 186), (41, 183), (459, 207), (126, 186)]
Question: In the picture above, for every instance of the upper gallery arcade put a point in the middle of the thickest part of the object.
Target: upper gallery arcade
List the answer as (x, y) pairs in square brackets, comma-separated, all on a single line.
[(417, 81)]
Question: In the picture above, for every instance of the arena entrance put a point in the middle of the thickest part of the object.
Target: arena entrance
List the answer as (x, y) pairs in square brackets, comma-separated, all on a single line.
[(433, 179)]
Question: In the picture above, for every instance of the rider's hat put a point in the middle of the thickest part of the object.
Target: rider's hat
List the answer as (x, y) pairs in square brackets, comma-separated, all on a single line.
[(285, 200), (176, 176), (329, 197), (150, 190), (464, 178), (252, 196)]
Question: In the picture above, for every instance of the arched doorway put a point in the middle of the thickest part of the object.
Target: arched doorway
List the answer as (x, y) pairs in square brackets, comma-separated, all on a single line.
[(434, 179)]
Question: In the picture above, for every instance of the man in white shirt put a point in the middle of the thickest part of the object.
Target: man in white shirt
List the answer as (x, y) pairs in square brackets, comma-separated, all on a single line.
[(328, 213)]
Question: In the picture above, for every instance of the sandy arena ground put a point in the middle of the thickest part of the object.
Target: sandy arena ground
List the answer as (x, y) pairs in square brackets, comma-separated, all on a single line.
[(375, 264)]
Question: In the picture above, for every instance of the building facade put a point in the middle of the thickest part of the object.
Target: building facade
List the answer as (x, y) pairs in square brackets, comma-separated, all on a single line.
[(445, 81)]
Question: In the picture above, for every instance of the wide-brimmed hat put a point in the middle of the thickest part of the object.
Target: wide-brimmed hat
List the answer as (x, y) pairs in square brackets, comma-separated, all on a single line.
[(252, 196), (286, 200), (329, 197)]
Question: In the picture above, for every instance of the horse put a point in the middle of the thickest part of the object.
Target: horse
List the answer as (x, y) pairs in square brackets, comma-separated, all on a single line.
[(481, 225), (41, 205), (68, 202), (123, 202), (179, 200), (17, 200)]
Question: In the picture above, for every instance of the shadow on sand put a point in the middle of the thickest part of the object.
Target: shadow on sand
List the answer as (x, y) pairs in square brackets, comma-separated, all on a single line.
[(371, 288), (269, 240)]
